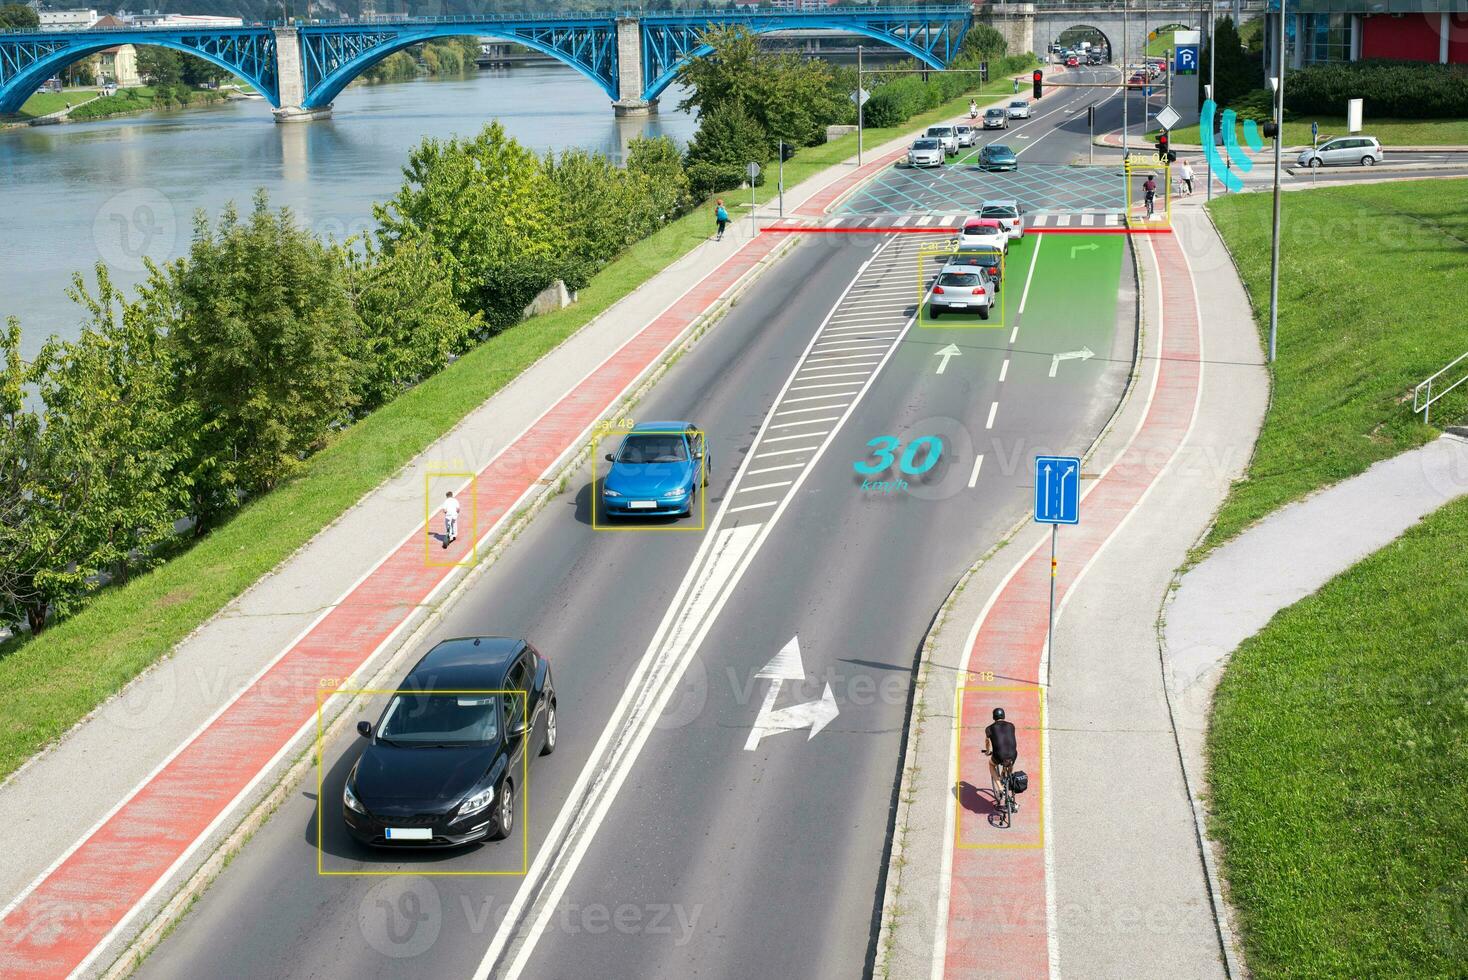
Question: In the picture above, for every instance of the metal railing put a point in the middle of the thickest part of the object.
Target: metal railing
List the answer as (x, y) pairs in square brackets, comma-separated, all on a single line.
[(1423, 402)]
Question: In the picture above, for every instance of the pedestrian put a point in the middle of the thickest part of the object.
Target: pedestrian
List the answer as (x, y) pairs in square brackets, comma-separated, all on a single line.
[(450, 519), (1016, 86), (721, 215), (1187, 178)]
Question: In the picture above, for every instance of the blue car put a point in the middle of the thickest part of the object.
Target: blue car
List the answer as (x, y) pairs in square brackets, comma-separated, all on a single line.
[(997, 156), (658, 469)]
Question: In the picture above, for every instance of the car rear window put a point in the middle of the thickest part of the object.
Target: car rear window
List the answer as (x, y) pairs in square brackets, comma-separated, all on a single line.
[(959, 279), (1000, 211)]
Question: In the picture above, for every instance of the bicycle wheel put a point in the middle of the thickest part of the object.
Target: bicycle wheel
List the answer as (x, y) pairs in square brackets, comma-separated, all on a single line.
[(1001, 796)]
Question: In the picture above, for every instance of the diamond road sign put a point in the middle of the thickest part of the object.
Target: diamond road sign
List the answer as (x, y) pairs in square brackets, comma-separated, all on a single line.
[(1168, 117), (1057, 489)]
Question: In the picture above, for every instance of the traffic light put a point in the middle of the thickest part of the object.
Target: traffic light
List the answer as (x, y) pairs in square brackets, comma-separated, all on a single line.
[(1271, 129), (1162, 150), (1039, 77)]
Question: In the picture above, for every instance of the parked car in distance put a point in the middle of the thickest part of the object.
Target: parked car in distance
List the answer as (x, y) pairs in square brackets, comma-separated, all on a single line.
[(996, 118), (1018, 109), (1364, 150), (926, 153), (947, 135), (967, 135), (1009, 215), (997, 156), (961, 292), (442, 769), (658, 469), (983, 231)]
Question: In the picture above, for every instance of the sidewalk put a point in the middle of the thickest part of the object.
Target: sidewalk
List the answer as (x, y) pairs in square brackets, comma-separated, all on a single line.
[(199, 740), (1100, 874)]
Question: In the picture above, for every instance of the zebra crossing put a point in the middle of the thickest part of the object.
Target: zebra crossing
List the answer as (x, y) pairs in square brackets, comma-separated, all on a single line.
[(945, 222)]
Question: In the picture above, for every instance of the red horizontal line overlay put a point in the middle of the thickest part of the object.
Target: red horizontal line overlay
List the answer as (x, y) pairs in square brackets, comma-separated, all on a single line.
[(981, 924), (73, 909)]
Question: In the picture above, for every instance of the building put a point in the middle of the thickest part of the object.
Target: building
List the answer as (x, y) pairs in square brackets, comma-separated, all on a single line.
[(153, 19), (118, 65), (65, 20), (1319, 31)]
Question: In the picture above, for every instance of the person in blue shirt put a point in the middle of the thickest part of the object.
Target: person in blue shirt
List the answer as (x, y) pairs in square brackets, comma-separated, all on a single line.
[(721, 215)]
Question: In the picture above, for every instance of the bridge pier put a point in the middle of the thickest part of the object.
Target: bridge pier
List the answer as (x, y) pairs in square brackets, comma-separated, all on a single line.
[(291, 77), (629, 71)]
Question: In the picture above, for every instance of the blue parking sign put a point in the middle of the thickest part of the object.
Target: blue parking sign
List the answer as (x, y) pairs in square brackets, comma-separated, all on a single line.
[(1057, 489), (1186, 61)]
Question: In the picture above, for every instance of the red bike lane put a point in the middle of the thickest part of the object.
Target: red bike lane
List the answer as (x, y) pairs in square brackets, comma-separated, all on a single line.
[(997, 912), (77, 906)]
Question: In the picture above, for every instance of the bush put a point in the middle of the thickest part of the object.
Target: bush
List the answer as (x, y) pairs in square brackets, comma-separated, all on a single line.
[(708, 179), (1401, 89)]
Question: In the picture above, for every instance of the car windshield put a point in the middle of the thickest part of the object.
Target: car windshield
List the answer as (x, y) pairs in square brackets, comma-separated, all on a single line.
[(440, 719), (1018, 104), (941, 131), (925, 145), (958, 279), (1000, 211), (1000, 151), (994, 112), (653, 449)]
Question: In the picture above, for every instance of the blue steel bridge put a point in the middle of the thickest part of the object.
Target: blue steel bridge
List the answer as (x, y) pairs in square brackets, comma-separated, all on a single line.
[(300, 68)]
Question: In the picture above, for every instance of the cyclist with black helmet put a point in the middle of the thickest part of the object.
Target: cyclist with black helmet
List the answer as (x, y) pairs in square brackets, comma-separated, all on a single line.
[(1001, 748)]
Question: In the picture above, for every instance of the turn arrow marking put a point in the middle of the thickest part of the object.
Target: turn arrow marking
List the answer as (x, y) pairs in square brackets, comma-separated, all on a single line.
[(1084, 354), (1083, 248), (786, 666), (947, 353)]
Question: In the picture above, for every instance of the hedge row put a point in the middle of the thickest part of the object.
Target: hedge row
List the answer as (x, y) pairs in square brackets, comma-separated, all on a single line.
[(905, 96), (1402, 89)]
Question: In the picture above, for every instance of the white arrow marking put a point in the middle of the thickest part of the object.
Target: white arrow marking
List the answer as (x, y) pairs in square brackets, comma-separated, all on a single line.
[(1047, 481), (785, 666), (1084, 354), (1083, 248), (946, 353), (1068, 471)]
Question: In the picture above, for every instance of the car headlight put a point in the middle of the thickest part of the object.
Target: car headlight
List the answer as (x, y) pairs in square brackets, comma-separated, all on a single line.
[(680, 492), (477, 802), (609, 492), (350, 801)]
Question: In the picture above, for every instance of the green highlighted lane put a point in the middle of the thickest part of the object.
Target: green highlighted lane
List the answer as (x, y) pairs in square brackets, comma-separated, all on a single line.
[(1073, 295)]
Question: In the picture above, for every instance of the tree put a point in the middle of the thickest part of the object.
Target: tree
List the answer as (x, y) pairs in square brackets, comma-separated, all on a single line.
[(267, 346), (487, 210), (18, 16), (727, 75), (984, 43), (162, 67), (199, 73), (412, 327), (657, 163), (1237, 73), (730, 136), (23, 538)]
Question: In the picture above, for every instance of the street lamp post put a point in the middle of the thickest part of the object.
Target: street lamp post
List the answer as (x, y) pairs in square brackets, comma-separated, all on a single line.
[(858, 107), (1278, 144), (1126, 93), (1212, 60)]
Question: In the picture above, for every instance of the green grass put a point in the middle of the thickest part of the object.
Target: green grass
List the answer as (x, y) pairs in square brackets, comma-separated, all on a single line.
[(50, 682), (1391, 132), (45, 103), (1372, 279), (1338, 761)]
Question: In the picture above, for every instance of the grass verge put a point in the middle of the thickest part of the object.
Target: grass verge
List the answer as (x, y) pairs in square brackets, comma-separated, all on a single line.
[(49, 683), (1371, 285), (1338, 756), (1391, 132)]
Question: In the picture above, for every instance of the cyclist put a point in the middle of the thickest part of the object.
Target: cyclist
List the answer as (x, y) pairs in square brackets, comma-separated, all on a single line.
[(1001, 748), (1150, 187)]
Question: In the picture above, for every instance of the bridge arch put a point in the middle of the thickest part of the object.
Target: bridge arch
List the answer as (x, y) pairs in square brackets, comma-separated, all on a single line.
[(24, 83), (321, 92), (668, 68), (1113, 51)]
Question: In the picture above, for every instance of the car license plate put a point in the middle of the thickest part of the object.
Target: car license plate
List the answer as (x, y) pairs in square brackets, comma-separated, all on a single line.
[(409, 833), (958, 304), (642, 504)]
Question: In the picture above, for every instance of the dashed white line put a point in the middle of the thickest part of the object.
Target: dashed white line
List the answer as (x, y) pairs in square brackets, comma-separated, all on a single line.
[(813, 408), (973, 477), (789, 425), (789, 452), (809, 398), (767, 503), (1013, 334), (772, 469), (803, 435), (992, 409), (837, 384), (766, 486), (1003, 372)]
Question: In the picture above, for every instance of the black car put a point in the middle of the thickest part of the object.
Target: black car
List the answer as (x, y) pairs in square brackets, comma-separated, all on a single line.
[(990, 260), (444, 761)]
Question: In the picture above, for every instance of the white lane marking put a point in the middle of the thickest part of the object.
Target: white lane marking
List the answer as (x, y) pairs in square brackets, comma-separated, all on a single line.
[(788, 452), (1013, 334), (813, 408), (766, 503), (973, 477), (766, 486), (790, 425), (590, 803), (1030, 276), (831, 349), (772, 469), (1003, 372), (803, 435), (993, 407), (812, 398), (834, 384), (831, 363), (830, 373)]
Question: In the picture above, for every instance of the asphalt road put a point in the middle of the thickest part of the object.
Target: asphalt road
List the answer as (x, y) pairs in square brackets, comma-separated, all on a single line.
[(688, 852)]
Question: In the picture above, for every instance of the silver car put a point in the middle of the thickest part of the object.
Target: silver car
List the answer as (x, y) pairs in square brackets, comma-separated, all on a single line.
[(1019, 109), (1009, 215), (967, 135), (926, 153), (996, 118), (961, 292), (946, 134), (1365, 150)]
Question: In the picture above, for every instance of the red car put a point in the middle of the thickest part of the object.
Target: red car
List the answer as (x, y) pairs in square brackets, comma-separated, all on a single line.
[(1072, 62)]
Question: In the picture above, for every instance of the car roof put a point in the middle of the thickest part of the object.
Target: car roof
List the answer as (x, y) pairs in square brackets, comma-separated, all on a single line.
[(465, 663), (661, 426), (981, 223)]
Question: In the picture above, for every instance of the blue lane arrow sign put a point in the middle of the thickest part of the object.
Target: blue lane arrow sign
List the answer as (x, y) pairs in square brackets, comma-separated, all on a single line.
[(1057, 489)]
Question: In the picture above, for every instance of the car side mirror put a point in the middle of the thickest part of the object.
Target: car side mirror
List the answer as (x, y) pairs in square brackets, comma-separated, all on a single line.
[(611, 458), (364, 728)]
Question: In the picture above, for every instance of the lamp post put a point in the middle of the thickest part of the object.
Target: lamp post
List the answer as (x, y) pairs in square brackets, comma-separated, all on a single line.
[(1278, 143), (858, 107), (1126, 93), (1212, 61)]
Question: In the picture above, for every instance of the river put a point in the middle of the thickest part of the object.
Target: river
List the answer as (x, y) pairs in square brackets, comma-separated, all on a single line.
[(121, 189)]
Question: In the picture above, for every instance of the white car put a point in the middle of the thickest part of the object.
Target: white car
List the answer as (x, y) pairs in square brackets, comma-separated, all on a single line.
[(947, 134), (1009, 215), (1365, 150), (1019, 109), (961, 291), (926, 153), (967, 135), (983, 231)]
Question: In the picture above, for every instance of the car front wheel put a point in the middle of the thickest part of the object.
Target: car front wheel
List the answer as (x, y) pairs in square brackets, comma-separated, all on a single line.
[(1368, 161), (505, 813), (1315, 163), (550, 729)]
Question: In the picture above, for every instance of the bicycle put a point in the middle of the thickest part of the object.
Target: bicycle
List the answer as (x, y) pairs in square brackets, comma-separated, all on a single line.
[(1003, 794)]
